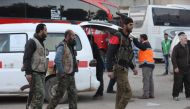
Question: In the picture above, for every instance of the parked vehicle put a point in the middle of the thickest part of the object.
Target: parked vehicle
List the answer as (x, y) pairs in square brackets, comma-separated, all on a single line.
[(153, 20), (12, 41)]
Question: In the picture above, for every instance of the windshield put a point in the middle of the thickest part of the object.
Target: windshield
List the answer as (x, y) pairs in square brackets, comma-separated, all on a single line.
[(171, 17)]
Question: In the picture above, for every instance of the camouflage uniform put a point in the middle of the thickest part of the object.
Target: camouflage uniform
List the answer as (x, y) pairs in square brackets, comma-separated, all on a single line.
[(65, 73), (123, 88), (35, 64), (65, 83), (37, 93)]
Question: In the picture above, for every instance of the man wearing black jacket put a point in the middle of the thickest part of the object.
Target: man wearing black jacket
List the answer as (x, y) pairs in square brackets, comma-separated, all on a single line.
[(99, 66), (146, 62), (35, 67), (181, 66), (119, 59)]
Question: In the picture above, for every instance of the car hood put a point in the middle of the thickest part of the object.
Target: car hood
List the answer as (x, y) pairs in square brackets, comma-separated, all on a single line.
[(174, 31)]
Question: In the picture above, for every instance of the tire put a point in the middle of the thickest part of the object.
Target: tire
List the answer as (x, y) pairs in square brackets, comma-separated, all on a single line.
[(50, 86)]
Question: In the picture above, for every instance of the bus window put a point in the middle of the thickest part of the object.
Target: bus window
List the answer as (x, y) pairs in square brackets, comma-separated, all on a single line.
[(171, 17), (53, 39), (12, 42)]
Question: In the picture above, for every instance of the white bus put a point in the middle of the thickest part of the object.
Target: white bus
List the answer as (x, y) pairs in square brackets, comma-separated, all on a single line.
[(153, 20)]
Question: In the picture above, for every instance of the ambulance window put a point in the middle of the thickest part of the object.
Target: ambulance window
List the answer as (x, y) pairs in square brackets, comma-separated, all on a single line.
[(4, 42), (12, 42), (53, 39)]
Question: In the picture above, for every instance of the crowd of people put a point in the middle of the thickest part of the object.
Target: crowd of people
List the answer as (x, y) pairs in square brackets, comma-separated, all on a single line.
[(119, 59)]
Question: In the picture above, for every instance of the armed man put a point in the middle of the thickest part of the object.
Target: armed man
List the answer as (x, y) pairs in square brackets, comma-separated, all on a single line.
[(119, 59)]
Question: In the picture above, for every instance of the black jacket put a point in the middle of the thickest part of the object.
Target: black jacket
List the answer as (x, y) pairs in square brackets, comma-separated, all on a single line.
[(181, 57), (97, 56)]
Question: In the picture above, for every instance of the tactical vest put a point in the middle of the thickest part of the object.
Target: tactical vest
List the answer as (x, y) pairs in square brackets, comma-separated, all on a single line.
[(125, 53), (68, 62), (39, 61)]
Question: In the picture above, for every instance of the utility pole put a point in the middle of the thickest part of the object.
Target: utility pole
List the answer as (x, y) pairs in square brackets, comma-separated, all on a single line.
[(150, 2)]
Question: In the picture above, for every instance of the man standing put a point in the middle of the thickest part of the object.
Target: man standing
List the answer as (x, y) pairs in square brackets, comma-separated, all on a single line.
[(119, 58), (181, 66), (146, 62), (35, 67), (99, 67), (66, 66), (166, 43)]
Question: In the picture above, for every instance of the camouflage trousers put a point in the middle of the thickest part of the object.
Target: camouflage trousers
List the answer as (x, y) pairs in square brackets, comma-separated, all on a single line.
[(65, 83), (37, 92), (124, 93)]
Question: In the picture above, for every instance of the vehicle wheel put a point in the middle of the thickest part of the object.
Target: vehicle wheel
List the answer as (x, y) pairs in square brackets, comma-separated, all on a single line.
[(50, 86)]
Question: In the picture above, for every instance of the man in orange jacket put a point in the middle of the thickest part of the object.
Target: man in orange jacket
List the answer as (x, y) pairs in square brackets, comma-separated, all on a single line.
[(146, 62)]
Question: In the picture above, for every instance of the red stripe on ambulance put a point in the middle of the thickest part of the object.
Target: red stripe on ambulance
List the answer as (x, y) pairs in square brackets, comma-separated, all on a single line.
[(1, 64), (50, 64), (83, 64)]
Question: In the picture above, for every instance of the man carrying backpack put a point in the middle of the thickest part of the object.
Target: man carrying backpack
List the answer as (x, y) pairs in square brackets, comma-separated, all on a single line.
[(119, 59)]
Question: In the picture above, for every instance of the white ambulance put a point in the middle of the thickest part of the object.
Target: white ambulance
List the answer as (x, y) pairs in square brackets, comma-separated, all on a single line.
[(12, 41)]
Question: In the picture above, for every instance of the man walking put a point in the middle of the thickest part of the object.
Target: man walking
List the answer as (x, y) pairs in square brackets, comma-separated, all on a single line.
[(146, 62), (166, 43), (66, 66), (121, 48), (35, 67), (181, 66)]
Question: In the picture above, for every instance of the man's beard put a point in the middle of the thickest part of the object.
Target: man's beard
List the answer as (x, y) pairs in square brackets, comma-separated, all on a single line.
[(129, 30), (44, 36), (72, 43)]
